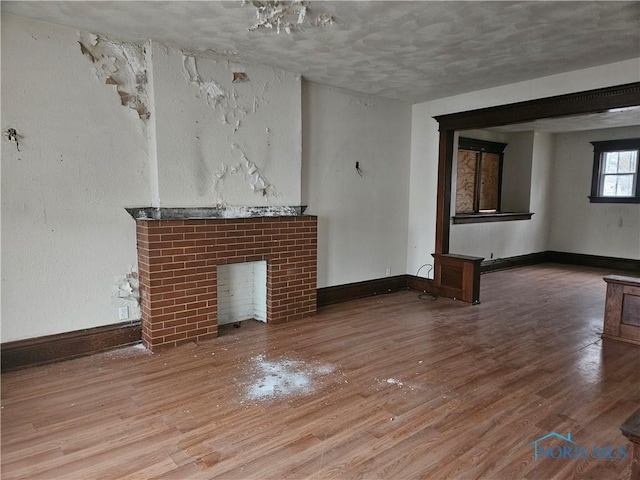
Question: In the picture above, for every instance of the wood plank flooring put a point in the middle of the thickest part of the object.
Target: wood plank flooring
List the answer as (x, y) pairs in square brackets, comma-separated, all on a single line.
[(391, 387)]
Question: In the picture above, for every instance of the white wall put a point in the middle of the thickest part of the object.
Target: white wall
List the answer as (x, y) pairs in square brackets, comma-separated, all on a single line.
[(67, 240), (516, 172), (200, 138), (578, 226), (541, 189), (82, 159), (424, 139), (362, 221)]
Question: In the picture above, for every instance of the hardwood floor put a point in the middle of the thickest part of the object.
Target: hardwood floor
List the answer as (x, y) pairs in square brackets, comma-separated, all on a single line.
[(385, 387)]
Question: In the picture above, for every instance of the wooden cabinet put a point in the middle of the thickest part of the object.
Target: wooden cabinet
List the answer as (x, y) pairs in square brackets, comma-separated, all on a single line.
[(458, 276), (622, 309)]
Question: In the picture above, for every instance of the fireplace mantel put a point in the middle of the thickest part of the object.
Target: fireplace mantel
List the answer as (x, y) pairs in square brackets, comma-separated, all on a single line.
[(179, 250), (227, 211)]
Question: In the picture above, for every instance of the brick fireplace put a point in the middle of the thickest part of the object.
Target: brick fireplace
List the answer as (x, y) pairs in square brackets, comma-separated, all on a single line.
[(178, 260)]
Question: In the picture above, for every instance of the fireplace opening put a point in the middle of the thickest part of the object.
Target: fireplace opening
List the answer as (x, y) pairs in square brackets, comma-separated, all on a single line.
[(242, 292)]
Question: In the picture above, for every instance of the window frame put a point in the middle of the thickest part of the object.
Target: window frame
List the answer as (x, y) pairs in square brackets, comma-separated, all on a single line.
[(480, 147), (601, 147)]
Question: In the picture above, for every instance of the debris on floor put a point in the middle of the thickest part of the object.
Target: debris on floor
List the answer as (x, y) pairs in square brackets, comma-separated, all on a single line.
[(393, 381), (280, 378)]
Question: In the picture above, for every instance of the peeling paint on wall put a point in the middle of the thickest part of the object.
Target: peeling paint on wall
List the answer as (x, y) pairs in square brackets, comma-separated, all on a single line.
[(121, 64), (216, 130), (230, 107), (212, 91), (228, 104), (250, 173), (218, 182)]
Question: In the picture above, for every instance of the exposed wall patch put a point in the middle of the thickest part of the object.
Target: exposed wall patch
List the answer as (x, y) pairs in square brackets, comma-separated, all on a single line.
[(12, 136), (240, 77), (121, 64), (325, 19), (127, 292)]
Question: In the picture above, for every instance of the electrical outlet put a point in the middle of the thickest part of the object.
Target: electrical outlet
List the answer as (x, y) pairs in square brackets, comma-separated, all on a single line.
[(388, 272), (123, 312)]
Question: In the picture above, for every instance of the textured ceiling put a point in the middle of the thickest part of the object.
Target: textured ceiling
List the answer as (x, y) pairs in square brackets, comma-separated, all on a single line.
[(409, 51)]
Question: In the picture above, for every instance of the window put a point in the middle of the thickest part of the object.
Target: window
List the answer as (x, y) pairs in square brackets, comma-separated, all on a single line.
[(479, 176), (616, 167)]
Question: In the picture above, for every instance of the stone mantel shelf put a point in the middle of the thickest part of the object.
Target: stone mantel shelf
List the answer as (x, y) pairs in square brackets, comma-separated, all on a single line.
[(197, 213)]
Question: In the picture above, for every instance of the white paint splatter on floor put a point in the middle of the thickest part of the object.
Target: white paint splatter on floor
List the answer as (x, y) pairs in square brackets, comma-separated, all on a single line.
[(393, 381), (402, 385), (281, 378)]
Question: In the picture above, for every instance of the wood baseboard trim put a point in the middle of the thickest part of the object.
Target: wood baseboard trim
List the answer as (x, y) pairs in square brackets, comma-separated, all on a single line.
[(605, 336), (64, 346), (514, 262), (596, 261), (422, 284), (368, 288)]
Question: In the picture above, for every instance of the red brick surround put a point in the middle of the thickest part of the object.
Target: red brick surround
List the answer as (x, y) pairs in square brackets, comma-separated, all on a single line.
[(178, 259)]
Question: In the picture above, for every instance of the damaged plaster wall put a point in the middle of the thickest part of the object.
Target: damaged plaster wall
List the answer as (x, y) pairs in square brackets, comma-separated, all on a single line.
[(362, 219), (225, 138), (425, 138), (65, 234), (122, 65)]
